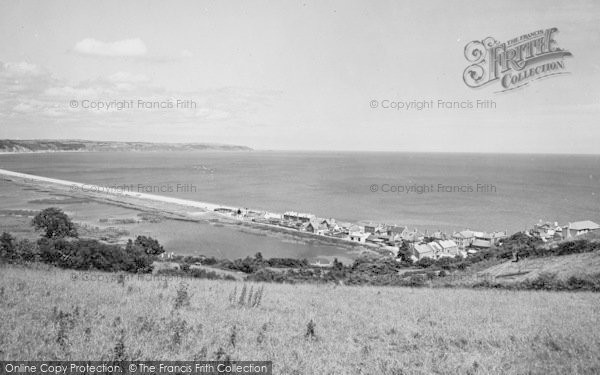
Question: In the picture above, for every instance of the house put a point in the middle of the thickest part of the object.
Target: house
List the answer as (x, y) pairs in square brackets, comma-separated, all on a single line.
[(394, 230), (578, 228), (374, 228), (358, 236), (439, 235), (330, 223), (273, 216), (421, 250), (414, 236), (545, 230), (297, 216), (390, 250), (481, 244), (315, 227), (436, 247), (353, 228), (449, 247), (497, 237), (464, 238), (343, 226), (493, 238)]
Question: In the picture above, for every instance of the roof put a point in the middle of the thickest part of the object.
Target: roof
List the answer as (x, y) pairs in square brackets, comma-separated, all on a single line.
[(481, 243), (355, 228), (447, 243), (396, 229), (299, 214), (435, 246), (438, 234), (583, 225), (422, 248), (464, 234)]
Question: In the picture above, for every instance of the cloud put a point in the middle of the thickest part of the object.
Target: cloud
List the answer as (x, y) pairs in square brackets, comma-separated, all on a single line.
[(20, 69), (126, 77), (121, 48), (23, 108), (186, 53), (30, 94)]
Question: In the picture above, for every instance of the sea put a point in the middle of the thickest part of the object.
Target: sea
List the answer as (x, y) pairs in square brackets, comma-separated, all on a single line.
[(426, 191)]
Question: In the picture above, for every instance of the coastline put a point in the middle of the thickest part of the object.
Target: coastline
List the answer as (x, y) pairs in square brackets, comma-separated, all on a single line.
[(174, 208)]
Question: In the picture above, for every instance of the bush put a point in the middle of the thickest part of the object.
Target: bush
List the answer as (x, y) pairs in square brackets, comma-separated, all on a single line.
[(26, 251), (92, 254), (576, 247), (149, 245), (7, 246), (425, 263), (55, 223)]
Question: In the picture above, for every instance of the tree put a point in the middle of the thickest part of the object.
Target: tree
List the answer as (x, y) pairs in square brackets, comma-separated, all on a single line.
[(337, 265), (7, 245), (55, 223), (404, 252), (149, 245)]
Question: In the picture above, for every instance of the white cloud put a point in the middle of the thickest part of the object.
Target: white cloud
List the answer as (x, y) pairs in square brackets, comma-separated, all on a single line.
[(69, 91), (21, 69), (22, 108), (125, 77), (31, 94), (121, 48), (186, 53)]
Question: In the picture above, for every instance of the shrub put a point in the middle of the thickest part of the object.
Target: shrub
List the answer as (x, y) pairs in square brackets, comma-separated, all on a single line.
[(27, 251), (149, 245), (425, 263), (55, 223), (91, 254), (183, 297), (247, 298), (310, 330), (7, 245)]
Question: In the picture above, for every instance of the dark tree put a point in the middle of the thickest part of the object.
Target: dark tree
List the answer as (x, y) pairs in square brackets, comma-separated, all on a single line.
[(7, 245), (404, 252), (149, 245), (55, 223)]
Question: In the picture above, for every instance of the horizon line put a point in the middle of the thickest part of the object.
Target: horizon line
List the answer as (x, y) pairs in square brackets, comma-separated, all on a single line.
[(304, 150)]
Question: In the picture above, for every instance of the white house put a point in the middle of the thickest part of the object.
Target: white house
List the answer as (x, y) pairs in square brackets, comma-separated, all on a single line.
[(449, 247), (464, 238), (358, 236), (579, 227), (422, 250)]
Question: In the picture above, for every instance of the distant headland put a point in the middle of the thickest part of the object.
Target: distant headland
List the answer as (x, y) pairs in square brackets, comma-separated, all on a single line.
[(77, 145)]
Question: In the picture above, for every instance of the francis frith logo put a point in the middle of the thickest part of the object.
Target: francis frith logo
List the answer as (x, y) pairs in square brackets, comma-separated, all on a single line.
[(514, 63)]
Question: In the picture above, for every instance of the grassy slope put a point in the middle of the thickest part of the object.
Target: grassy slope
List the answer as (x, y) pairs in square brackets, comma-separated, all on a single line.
[(359, 330), (528, 268)]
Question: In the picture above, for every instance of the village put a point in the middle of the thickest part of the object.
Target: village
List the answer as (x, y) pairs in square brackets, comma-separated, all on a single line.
[(390, 239)]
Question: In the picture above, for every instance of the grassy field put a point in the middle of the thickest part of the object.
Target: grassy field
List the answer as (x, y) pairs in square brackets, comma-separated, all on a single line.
[(563, 266), (46, 313)]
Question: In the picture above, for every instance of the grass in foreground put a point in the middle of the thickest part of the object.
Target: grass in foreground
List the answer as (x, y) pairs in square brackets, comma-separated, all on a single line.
[(53, 314)]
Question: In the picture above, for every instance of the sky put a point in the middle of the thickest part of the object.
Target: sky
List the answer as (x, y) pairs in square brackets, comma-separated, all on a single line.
[(293, 75)]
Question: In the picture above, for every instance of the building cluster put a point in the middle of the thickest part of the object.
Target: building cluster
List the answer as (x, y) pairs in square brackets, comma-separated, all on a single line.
[(547, 231), (389, 239)]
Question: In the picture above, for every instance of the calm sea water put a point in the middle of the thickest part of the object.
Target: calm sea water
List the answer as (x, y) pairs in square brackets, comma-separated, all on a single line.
[(521, 188)]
